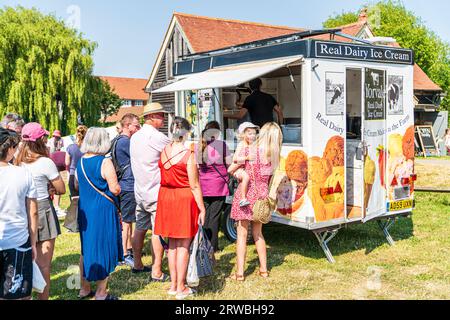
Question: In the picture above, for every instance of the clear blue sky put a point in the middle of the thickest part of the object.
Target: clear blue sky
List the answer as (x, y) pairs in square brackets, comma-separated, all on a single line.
[(129, 33)]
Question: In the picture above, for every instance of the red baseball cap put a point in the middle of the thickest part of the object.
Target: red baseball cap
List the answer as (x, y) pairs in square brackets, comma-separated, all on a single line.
[(33, 131), (57, 133)]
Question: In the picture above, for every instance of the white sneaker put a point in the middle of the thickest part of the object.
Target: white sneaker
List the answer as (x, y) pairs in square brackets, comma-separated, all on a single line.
[(61, 213)]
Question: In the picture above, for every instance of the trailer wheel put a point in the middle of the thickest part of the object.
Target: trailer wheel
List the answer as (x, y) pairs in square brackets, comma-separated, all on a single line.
[(229, 226)]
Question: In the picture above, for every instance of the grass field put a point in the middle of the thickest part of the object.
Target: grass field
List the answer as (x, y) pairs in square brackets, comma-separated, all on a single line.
[(417, 267), (432, 174)]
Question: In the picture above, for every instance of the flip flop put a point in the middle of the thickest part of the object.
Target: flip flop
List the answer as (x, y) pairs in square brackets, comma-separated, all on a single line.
[(172, 293), (164, 278), (182, 296), (90, 295)]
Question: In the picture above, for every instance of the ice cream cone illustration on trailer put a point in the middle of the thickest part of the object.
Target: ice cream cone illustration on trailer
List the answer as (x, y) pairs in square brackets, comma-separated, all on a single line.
[(319, 169), (400, 163), (369, 179), (297, 171)]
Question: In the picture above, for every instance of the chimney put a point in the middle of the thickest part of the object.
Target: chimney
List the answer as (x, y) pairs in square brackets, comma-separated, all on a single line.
[(363, 16)]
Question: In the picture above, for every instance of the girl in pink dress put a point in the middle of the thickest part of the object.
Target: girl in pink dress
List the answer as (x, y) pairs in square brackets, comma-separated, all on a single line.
[(268, 147)]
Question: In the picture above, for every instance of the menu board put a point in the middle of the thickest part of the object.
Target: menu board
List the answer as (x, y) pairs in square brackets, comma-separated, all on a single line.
[(374, 94), (427, 140)]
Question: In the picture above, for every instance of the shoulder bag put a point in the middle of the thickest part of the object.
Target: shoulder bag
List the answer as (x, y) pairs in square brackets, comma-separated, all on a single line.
[(71, 220), (230, 182), (263, 207)]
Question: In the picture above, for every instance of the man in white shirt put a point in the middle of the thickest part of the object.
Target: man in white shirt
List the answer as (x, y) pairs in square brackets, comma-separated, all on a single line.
[(18, 223), (145, 150)]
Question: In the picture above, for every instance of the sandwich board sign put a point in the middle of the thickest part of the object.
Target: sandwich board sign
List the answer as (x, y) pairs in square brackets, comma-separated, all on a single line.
[(427, 141)]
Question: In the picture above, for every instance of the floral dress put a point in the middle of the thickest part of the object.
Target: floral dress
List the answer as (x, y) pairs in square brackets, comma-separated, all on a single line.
[(258, 187)]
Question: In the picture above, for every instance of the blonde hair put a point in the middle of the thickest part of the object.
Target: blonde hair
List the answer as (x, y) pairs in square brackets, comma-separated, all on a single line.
[(269, 141), (80, 134)]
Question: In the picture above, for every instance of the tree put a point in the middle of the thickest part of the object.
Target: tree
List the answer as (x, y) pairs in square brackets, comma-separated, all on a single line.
[(392, 19), (108, 102), (341, 19), (46, 71)]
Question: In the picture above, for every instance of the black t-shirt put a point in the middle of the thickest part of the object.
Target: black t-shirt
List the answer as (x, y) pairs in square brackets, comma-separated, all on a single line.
[(260, 107)]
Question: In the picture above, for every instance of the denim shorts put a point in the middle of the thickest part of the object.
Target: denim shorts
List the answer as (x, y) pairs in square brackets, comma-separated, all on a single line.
[(128, 206)]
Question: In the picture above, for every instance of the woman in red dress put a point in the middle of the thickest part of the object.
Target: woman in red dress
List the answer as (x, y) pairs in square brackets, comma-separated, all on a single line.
[(180, 205)]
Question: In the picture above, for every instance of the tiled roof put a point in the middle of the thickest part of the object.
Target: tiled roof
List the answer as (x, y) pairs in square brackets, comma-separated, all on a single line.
[(128, 88), (206, 34), (350, 29), (422, 81), (123, 111)]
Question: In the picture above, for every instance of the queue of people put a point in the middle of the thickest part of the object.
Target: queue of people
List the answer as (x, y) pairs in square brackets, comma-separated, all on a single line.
[(143, 178)]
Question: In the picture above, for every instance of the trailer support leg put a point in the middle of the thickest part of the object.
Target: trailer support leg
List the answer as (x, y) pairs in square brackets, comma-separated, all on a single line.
[(324, 237), (385, 225)]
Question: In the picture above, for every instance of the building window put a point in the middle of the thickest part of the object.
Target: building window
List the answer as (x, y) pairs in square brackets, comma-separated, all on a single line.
[(138, 103), (127, 103)]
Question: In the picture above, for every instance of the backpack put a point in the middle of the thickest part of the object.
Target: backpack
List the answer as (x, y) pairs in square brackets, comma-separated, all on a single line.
[(120, 171)]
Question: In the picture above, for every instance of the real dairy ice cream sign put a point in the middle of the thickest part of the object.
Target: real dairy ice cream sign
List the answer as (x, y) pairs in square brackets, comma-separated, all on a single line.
[(374, 94), (344, 51)]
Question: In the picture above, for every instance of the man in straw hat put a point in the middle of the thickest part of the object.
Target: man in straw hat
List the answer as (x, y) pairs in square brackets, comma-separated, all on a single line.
[(145, 150)]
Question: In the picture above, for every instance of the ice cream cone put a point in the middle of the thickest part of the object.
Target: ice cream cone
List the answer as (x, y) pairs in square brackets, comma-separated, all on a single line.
[(317, 202), (367, 193)]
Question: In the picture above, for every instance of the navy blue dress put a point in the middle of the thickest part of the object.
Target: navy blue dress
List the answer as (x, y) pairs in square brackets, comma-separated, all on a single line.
[(98, 219)]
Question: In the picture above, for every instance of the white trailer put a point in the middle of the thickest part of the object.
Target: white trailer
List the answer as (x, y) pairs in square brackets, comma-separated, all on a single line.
[(348, 149)]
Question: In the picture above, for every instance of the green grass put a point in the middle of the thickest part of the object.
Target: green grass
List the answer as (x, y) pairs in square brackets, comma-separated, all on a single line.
[(433, 176), (434, 158), (416, 267)]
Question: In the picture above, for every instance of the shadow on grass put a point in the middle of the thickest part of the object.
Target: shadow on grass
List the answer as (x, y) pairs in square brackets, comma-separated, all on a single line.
[(65, 276), (368, 236), (281, 241)]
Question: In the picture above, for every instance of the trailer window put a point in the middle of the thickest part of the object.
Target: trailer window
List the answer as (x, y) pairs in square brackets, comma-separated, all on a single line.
[(284, 85)]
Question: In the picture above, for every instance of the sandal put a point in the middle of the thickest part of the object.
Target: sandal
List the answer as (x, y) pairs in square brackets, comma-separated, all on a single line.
[(237, 277), (164, 278), (90, 295), (263, 274)]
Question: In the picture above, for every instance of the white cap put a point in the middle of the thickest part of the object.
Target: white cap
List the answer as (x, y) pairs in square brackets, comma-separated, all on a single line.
[(245, 125)]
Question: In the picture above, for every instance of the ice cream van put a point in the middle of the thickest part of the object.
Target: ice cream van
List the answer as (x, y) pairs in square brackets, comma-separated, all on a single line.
[(348, 129)]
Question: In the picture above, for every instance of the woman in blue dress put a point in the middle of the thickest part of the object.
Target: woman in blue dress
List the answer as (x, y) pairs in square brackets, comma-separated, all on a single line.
[(98, 218)]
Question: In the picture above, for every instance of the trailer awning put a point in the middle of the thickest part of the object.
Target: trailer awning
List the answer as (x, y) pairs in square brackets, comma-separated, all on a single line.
[(229, 76)]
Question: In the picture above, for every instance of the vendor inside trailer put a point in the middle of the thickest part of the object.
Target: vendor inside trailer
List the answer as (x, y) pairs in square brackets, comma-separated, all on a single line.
[(259, 106), (260, 92)]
